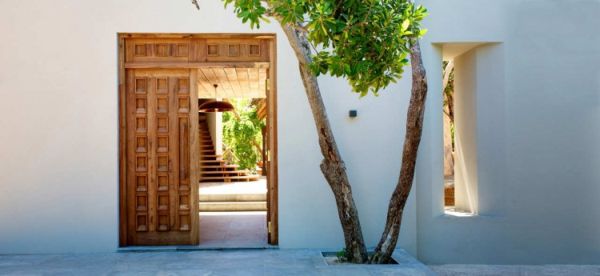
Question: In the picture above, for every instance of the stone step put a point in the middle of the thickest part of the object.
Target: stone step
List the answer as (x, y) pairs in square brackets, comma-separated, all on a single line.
[(218, 166), (211, 162), (229, 178), (232, 206), (224, 173), (211, 156), (232, 197)]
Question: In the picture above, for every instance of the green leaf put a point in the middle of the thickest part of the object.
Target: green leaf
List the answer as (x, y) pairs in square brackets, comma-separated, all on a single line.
[(365, 41)]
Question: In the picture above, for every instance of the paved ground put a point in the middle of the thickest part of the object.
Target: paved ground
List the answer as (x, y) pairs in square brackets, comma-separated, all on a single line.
[(207, 262), (252, 262), (517, 270), (233, 229)]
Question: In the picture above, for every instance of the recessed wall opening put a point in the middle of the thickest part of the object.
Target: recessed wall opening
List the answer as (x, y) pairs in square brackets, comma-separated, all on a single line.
[(459, 89)]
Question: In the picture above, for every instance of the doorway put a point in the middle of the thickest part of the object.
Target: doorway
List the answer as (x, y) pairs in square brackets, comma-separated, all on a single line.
[(166, 149)]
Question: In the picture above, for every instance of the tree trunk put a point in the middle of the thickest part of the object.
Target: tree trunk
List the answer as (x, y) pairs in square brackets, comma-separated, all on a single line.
[(448, 120), (332, 165), (448, 97), (414, 128)]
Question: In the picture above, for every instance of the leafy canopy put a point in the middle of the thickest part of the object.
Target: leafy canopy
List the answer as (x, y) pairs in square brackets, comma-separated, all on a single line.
[(365, 41)]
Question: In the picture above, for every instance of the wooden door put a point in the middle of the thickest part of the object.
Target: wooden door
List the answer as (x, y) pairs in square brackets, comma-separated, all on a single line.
[(161, 185), (271, 149)]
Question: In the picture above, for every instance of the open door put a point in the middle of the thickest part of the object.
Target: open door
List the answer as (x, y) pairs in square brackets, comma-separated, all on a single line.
[(271, 150), (161, 132), (160, 181)]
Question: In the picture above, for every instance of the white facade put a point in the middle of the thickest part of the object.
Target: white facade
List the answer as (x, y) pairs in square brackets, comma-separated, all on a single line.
[(537, 87)]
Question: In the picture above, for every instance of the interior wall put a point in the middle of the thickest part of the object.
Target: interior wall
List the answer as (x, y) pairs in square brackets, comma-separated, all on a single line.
[(59, 173), (465, 132), (215, 128)]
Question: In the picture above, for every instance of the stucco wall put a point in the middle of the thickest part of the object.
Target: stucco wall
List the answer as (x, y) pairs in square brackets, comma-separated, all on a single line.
[(465, 132), (538, 110), (538, 96), (59, 158), (215, 128)]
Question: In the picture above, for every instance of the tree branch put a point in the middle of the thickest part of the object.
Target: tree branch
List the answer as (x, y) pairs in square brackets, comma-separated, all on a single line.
[(195, 2)]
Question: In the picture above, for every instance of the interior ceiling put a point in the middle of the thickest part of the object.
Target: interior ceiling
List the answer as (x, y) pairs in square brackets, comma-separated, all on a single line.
[(247, 82), (452, 50)]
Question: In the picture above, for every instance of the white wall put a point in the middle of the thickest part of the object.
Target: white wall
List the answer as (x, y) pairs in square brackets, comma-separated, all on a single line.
[(538, 113), (538, 97), (215, 128), (59, 121), (465, 132)]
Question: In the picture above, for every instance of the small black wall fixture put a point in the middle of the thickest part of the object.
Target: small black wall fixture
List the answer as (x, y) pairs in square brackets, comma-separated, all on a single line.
[(353, 113)]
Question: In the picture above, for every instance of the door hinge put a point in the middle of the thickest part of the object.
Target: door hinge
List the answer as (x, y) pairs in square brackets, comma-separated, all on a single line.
[(268, 156), (269, 227)]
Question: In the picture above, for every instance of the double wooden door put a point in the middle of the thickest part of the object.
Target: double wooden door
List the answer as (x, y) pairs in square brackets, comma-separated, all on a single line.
[(162, 143), (159, 148)]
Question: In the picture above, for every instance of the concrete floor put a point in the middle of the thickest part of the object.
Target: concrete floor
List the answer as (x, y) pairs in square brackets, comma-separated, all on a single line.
[(252, 262), (233, 230), (206, 262), (517, 270)]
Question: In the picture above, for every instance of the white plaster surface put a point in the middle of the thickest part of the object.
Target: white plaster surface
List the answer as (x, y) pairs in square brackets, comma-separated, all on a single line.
[(59, 122), (538, 94), (465, 132)]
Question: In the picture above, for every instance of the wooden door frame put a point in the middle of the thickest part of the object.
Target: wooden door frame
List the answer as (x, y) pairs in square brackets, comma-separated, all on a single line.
[(272, 182)]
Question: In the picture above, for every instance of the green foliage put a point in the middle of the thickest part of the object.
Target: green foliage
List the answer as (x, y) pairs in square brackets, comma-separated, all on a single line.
[(341, 255), (449, 90), (365, 41), (242, 136)]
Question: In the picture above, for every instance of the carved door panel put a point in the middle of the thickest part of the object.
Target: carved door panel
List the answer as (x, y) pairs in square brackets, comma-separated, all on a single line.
[(161, 186)]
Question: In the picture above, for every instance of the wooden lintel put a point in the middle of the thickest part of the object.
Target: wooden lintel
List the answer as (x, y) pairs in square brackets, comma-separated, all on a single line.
[(203, 35), (189, 65)]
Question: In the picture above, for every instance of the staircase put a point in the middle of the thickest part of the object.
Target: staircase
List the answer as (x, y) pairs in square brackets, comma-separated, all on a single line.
[(232, 202), (212, 167)]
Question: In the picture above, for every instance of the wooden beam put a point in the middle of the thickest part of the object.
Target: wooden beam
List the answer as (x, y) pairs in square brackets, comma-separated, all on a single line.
[(226, 88), (186, 65), (233, 79), (206, 36), (254, 79)]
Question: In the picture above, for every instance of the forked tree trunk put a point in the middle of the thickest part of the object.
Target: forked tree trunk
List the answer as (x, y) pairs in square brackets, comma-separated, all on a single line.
[(332, 165), (414, 128)]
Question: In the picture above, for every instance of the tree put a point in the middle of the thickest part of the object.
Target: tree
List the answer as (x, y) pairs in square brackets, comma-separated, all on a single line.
[(368, 42), (242, 134)]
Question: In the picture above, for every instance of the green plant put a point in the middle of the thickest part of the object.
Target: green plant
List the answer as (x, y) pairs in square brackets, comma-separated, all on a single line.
[(341, 255), (242, 136)]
